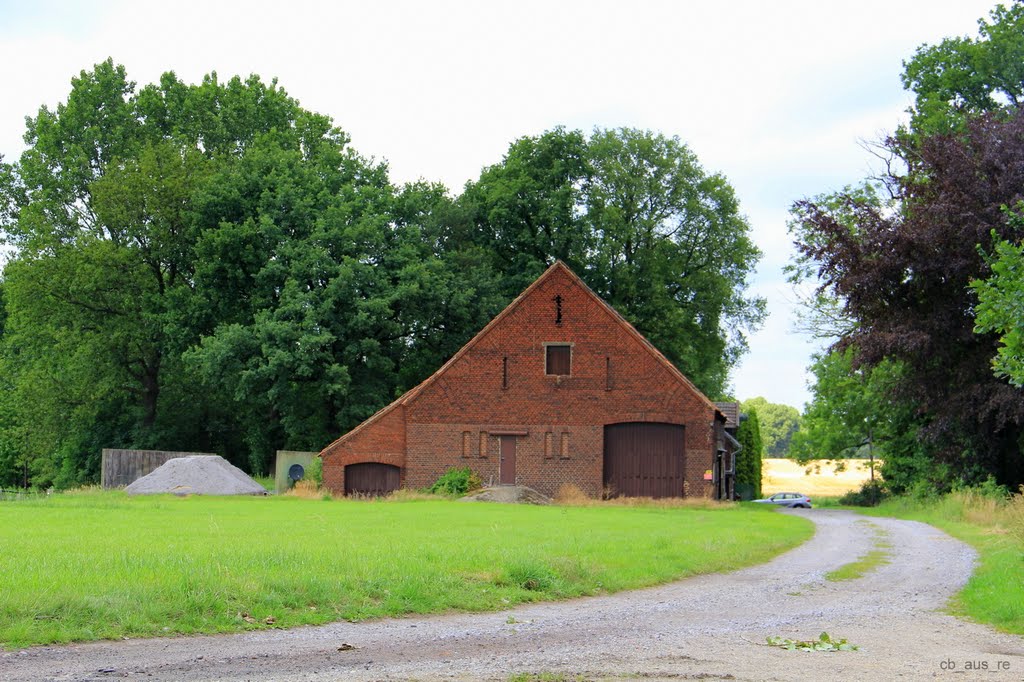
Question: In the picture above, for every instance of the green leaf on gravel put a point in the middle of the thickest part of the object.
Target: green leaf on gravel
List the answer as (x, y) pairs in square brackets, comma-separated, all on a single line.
[(824, 643)]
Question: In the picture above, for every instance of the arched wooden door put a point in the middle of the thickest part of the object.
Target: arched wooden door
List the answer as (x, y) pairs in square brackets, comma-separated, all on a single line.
[(371, 478), (644, 459)]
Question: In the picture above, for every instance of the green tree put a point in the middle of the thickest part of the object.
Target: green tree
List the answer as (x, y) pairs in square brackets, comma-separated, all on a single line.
[(211, 267), (1000, 308), (856, 412), (842, 412), (526, 210), (645, 226), (748, 459), (899, 271), (778, 424), (168, 235), (963, 77)]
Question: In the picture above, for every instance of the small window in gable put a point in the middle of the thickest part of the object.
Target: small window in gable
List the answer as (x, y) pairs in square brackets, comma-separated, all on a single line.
[(559, 360)]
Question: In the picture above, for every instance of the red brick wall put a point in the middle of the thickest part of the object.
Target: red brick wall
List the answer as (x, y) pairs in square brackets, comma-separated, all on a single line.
[(614, 378), (435, 447), (382, 441)]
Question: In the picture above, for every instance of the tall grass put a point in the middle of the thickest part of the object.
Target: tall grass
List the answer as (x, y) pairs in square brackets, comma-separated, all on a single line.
[(993, 523), (104, 565)]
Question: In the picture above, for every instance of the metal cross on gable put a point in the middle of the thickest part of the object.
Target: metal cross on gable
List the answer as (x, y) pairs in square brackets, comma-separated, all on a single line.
[(558, 309)]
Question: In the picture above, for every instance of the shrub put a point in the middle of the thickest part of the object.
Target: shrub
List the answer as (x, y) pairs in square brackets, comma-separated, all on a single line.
[(457, 481), (869, 495), (315, 471), (923, 490)]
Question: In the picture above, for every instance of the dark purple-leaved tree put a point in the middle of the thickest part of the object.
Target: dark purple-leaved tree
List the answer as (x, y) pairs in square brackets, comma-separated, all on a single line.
[(902, 274)]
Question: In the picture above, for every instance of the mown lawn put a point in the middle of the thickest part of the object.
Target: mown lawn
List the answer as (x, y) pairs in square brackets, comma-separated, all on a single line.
[(103, 565)]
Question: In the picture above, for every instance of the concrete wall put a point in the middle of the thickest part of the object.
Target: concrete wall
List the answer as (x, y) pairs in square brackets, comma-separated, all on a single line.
[(284, 460)]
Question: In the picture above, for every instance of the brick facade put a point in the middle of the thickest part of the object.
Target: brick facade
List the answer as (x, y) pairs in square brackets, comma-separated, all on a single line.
[(497, 385)]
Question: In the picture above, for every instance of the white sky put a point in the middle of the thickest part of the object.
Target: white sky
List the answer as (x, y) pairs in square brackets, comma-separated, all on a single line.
[(777, 95)]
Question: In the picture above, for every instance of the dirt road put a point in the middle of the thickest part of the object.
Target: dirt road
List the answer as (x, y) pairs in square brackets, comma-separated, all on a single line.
[(711, 627)]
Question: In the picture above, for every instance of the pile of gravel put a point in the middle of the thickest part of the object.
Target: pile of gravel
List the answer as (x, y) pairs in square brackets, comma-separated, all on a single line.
[(513, 494), (196, 475)]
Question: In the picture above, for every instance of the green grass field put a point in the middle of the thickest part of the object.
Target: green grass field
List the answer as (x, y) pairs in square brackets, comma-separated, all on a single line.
[(102, 565)]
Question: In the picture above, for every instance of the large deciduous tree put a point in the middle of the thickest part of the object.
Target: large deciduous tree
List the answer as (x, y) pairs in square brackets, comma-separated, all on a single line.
[(645, 226), (904, 277), (211, 267), (963, 77), (896, 273)]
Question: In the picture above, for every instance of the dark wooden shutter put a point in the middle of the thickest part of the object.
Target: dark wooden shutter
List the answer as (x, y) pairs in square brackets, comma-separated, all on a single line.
[(559, 360), (644, 459), (371, 478)]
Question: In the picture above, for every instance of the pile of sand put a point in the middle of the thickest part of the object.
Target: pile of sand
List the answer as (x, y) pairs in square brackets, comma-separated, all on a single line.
[(196, 475), (515, 494)]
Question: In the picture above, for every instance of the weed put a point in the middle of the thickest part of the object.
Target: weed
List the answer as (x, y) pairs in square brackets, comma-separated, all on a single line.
[(307, 489), (410, 495), (569, 493), (547, 677), (669, 502), (860, 567), (879, 556), (265, 481), (1015, 516), (530, 575), (571, 496)]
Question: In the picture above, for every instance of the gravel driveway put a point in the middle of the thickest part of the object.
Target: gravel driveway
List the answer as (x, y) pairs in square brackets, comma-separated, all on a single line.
[(710, 627)]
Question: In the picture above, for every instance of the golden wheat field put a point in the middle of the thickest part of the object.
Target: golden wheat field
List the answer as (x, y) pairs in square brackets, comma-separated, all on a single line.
[(819, 477)]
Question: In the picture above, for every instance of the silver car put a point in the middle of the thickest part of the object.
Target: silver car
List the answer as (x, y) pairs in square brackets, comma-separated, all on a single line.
[(788, 500)]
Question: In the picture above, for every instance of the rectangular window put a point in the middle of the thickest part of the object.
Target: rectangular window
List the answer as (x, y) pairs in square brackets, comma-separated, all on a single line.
[(559, 360), (504, 372), (465, 443), (549, 445), (565, 445), (483, 443)]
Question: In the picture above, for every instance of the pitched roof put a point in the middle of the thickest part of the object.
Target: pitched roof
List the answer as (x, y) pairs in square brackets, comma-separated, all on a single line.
[(557, 266), (731, 412)]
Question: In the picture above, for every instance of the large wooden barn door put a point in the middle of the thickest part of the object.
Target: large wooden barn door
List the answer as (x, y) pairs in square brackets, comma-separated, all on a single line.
[(371, 478), (643, 459), (507, 473)]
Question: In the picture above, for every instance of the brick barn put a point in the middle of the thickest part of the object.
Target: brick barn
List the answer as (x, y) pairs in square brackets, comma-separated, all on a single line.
[(557, 389)]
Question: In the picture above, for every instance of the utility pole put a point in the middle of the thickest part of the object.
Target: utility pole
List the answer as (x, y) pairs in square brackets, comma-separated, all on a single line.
[(871, 455)]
